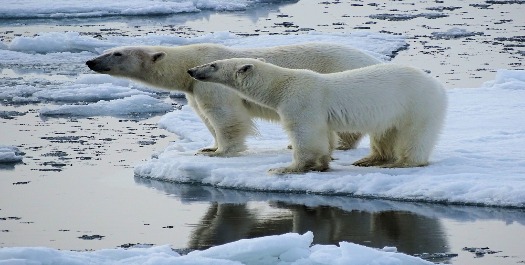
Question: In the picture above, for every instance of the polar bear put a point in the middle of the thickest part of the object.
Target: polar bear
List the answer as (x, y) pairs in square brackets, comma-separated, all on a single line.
[(227, 116), (402, 108)]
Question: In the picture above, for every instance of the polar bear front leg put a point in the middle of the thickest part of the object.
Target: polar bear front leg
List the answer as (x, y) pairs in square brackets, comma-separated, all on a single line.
[(231, 129), (227, 117), (195, 106), (311, 148), (215, 146)]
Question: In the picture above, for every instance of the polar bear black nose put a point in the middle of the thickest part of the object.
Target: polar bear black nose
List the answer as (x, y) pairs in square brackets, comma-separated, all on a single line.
[(191, 72), (90, 63)]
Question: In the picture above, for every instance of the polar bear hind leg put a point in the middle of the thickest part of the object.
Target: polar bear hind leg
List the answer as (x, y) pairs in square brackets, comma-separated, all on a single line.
[(310, 151), (414, 144), (313, 162), (382, 149), (348, 141)]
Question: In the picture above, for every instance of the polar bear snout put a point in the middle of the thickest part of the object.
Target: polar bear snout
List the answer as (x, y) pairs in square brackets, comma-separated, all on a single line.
[(192, 72), (93, 65), (90, 64), (198, 73)]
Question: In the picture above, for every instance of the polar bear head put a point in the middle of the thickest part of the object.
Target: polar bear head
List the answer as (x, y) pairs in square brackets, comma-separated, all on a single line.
[(236, 73), (253, 79), (129, 62)]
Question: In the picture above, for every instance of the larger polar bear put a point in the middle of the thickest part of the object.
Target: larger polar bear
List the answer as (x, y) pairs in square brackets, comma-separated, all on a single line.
[(227, 116), (402, 108)]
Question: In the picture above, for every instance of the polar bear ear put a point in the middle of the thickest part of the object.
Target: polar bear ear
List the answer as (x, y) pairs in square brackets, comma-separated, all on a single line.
[(261, 59), (245, 68), (155, 57)]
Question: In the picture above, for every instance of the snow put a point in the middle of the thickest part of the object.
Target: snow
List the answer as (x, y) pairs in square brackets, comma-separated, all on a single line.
[(286, 249), (479, 159)]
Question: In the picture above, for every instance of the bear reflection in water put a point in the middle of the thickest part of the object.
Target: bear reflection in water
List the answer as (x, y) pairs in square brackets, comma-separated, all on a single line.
[(235, 214), (409, 232)]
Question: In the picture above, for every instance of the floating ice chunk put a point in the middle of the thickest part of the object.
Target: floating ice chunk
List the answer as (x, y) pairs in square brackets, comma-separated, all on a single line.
[(88, 93), (508, 79), (53, 42), (137, 104), (401, 17), (286, 249), (264, 249), (455, 33), (10, 154), (19, 92), (389, 249)]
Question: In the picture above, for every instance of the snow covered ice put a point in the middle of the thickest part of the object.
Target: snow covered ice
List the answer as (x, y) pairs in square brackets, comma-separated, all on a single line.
[(479, 159)]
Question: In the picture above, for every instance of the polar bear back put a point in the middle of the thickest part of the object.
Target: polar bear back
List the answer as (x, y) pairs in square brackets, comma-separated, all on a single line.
[(367, 98), (318, 57)]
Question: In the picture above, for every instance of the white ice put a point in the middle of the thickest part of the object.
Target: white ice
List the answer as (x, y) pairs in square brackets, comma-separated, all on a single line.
[(454, 33), (100, 8), (10, 154), (136, 104), (286, 249)]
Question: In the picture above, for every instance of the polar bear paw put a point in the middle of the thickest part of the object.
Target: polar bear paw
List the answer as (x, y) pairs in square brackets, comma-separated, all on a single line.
[(298, 170), (403, 164), (208, 150), (220, 152), (370, 162), (285, 170)]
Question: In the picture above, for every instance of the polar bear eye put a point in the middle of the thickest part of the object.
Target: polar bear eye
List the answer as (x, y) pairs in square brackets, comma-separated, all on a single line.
[(117, 54), (213, 65)]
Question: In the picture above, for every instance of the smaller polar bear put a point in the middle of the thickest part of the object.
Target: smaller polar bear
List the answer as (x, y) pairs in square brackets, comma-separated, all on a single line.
[(402, 108)]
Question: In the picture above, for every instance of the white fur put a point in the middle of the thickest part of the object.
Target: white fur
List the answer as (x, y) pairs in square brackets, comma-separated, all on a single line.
[(402, 108), (225, 113)]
